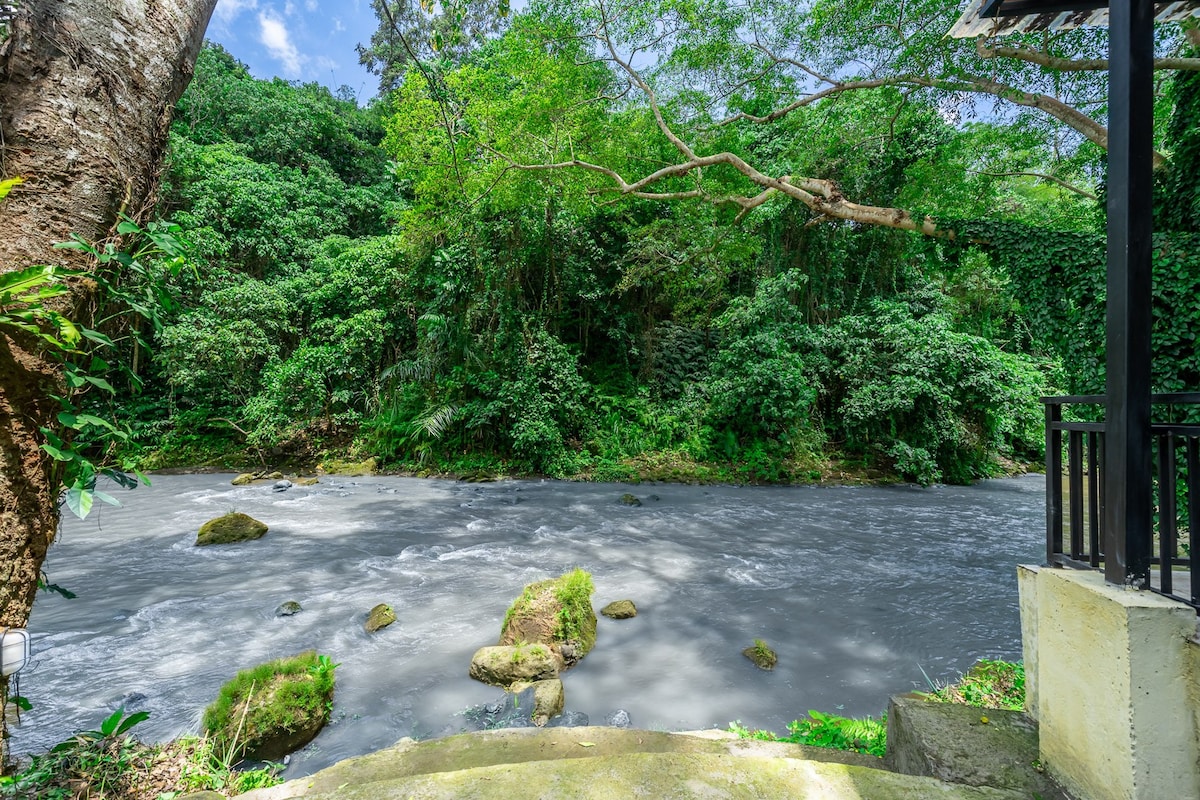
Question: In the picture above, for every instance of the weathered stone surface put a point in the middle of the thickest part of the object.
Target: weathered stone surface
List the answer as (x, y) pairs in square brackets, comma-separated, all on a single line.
[(233, 527), (288, 609), (244, 479), (504, 665), (620, 609), (762, 656), (281, 486), (548, 700), (604, 763), (379, 617), (310, 481), (630, 499), (274, 476), (953, 743)]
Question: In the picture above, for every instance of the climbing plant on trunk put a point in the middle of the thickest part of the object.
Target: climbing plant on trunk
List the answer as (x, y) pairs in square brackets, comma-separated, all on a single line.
[(86, 92)]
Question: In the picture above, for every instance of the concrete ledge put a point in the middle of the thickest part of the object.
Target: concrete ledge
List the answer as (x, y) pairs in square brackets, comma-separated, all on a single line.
[(663, 776)]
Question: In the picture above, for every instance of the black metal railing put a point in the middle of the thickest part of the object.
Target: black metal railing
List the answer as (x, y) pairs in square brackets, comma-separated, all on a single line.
[(1075, 532)]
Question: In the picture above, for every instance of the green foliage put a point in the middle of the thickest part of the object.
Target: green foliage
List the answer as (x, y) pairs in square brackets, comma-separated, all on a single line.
[(867, 735), (987, 684), (280, 694), (576, 620)]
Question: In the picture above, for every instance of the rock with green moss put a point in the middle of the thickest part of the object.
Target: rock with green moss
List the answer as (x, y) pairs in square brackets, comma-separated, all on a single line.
[(762, 655), (350, 469), (289, 609), (508, 664), (630, 499), (270, 710), (620, 609), (557, 613), (379, 617), (245, 479), (233, 527), (306, 481)]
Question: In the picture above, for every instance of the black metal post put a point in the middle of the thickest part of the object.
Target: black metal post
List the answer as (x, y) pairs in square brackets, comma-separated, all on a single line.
[(1127, 468)]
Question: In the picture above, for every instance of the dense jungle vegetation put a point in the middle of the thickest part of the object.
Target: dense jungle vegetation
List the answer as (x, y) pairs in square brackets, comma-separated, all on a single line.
[(390, 281)]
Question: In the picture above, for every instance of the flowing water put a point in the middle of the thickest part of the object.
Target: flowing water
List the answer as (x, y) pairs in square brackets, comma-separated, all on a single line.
[(862, 592)]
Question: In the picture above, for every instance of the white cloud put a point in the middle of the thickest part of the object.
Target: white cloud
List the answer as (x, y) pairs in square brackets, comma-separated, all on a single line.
[(338, 26), (311, 5), (274, 36), (289, 9), (228, 10)]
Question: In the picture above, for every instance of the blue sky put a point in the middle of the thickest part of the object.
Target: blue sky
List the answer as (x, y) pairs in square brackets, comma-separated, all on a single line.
[(305, 40)]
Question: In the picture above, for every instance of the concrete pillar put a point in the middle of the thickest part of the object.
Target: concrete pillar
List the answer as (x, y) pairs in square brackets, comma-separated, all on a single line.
[(1113, 682)]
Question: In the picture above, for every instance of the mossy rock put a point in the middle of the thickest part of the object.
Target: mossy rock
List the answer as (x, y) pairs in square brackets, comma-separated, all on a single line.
[(506, 665), (270, 710), (306, 481), (245, 479), (288, 609), (630, 499), (233, 527), (620, 609), (556, 612), (548, 700), (762, 655), (379, 617), (348, 469)]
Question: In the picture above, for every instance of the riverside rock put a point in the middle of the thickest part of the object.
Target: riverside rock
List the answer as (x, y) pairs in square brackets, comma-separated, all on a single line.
[(620, 609), (379, 617), (504, 665), (233, 527), (244, 479), (270, 710), (630, 499)]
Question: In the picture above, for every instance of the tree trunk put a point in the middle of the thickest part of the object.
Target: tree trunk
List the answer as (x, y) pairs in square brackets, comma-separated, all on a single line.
[(86, 92)]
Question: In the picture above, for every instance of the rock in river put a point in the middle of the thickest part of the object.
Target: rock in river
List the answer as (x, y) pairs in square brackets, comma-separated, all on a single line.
[(233, 527), (508, 664), (619, 609), (379, 617)]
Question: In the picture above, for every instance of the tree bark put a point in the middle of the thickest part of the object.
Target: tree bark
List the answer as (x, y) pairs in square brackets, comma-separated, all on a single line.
[(86, 92)]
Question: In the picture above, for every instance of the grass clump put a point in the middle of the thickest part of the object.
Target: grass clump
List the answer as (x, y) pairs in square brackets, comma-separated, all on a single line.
[(867, 735), (108, 764), (289, 698), (761, 654), (988, 684)]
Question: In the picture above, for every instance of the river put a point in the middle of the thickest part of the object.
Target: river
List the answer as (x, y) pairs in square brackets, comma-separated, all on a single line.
[(862, 592)]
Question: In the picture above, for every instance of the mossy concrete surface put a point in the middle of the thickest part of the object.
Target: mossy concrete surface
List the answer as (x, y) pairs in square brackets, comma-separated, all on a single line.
[(663, 775), (967, 745), (611, 762)]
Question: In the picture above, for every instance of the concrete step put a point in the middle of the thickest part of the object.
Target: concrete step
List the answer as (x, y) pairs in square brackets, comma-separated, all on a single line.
[(614, 763)]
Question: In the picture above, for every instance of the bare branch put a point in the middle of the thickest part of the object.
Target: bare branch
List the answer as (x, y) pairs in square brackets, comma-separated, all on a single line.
[(1059, 64), (1070, 187)]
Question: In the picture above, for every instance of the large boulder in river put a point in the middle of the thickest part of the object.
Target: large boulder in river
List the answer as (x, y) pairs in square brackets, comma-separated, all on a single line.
[(557, 613), (233, 527), (270, 710), (245, 479), (509, 664)]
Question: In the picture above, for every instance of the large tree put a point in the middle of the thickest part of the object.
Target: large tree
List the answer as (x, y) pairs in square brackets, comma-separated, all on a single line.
[(87, 89), (710, 72)]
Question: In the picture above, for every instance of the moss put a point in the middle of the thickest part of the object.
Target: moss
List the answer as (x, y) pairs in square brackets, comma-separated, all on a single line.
[(336, 466), (232, 527), (286, 695), (554, 612), (762, 655)]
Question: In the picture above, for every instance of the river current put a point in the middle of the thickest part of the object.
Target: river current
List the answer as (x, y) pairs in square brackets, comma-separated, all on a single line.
[(863, 592)]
